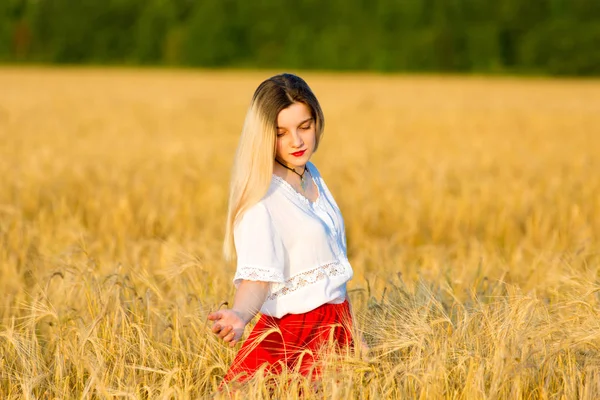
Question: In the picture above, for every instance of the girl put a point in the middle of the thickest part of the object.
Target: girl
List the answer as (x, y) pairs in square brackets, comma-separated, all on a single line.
[(288, 236)]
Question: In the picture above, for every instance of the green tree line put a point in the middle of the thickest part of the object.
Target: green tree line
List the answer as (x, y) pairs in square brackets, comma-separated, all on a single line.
[(559, 37)]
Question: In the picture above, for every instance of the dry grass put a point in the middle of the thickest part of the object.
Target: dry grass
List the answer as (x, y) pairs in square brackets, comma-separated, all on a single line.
[(473, 218)]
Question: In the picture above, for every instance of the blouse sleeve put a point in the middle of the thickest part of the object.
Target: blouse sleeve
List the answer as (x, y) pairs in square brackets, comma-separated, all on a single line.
[(259, 248)]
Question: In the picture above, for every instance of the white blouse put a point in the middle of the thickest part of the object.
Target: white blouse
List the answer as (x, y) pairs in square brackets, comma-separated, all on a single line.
[(296, 245)]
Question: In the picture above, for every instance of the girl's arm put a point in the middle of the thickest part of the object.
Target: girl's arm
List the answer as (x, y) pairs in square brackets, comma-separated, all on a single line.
[(229, 324)]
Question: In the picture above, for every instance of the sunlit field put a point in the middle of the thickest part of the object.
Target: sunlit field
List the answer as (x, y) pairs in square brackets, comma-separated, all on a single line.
[(472, 208)]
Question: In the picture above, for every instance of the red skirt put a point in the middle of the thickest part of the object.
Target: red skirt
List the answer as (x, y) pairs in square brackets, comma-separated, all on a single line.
[(294, 341)]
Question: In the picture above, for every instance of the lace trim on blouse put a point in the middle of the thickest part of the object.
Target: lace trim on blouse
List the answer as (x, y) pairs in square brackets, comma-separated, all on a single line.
[(306, 278), (258, 274), (294, 193)]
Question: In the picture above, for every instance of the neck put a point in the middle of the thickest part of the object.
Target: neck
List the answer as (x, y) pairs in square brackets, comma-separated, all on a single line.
[(296, 170)]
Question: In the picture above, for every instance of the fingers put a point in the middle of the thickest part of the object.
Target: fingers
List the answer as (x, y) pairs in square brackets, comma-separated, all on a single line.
[(225, 332), (228, 334), (223, 329), (213, 316), (216, 328), (229, 337), (232, 338)]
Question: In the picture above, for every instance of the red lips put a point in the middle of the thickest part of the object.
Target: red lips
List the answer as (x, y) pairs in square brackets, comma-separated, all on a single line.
[(299, 153)]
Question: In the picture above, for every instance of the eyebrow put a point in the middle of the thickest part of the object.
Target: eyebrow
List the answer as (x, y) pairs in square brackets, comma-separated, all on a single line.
[(303, 122)]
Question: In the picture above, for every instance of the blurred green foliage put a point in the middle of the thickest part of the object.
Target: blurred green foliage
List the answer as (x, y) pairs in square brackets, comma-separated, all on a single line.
[(516, 36)]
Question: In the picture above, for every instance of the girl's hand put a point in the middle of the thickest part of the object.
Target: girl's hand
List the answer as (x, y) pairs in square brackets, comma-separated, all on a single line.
[(228, 325)]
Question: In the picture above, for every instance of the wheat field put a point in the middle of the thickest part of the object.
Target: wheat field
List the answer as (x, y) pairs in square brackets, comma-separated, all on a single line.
[(472, 209)]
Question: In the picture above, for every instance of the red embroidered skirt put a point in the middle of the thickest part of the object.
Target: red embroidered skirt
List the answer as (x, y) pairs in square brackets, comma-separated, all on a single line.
[(293, 341)]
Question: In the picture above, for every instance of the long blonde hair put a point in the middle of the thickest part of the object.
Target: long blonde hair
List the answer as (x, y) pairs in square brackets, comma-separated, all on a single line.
[(253, 163)]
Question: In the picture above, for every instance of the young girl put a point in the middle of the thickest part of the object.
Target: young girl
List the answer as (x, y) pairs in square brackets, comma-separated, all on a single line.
[(287, 233)]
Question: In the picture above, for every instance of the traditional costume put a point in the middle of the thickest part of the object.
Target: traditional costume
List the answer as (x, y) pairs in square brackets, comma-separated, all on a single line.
[(299, 247)]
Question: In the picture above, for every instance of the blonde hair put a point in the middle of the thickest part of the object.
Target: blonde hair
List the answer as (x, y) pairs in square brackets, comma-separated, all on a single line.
[(253, 163)]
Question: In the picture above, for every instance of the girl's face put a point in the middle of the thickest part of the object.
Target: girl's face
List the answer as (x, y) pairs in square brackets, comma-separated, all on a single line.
[(296, 135)]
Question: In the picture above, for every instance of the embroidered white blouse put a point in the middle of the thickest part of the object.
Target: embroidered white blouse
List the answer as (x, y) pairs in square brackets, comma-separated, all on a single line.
[(297, 245)]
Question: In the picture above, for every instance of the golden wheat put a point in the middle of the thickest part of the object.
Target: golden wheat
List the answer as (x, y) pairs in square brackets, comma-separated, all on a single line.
[(472, 207)]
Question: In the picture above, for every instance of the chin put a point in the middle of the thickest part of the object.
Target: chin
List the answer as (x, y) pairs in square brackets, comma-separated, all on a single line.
[(299, 162)]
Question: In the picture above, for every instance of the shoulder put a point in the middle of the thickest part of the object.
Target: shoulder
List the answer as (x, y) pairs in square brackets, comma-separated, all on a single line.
[(256, 214)]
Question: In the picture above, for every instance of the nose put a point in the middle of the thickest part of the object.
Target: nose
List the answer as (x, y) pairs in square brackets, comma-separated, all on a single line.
[(296, 139)]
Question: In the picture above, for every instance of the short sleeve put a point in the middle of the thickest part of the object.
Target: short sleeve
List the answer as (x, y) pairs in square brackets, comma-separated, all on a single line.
[(259, 248)]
